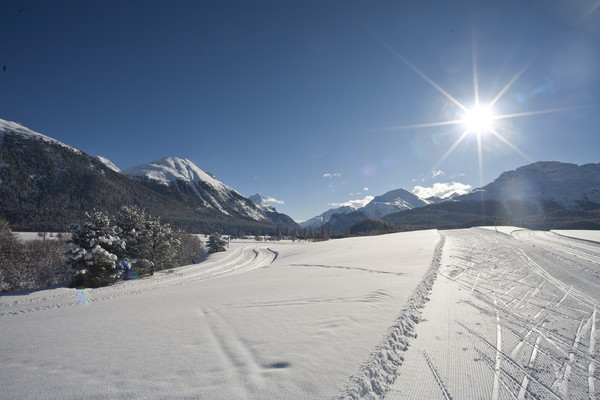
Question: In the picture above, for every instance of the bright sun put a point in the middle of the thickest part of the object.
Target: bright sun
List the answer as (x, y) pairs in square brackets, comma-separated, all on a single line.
[(479, 120)]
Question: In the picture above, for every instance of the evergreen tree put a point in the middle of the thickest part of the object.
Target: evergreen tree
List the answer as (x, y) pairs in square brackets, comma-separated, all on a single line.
[(149, 245), (216, 243), (91, 260)]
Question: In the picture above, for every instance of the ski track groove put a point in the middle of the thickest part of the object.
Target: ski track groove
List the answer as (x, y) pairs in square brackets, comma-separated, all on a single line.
[(437, 377), (378, 373)]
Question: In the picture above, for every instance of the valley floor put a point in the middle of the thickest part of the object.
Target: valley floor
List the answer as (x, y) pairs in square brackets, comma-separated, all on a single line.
[(511, 315)]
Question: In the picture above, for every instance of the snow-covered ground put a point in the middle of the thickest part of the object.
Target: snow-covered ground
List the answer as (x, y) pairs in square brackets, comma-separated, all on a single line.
[(511, 315), (297, 323), (593, 236)]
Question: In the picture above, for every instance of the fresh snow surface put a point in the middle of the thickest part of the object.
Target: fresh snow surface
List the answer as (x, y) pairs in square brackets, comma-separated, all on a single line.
[(510, 317), (593, 236), (9, 126), (264, 320), (459, 314), (503, 229), (108, 163)]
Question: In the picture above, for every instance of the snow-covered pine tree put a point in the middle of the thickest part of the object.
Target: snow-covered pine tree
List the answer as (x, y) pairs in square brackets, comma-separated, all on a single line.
[(92, 259), (149, 245), (216, 243), (165, 244)]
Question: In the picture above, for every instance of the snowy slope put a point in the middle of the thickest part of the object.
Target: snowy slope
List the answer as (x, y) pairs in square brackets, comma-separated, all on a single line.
[(271, 213), (16, 128), (262, 203), (391, 202), (185, 175), (108, 163), (552, 183)]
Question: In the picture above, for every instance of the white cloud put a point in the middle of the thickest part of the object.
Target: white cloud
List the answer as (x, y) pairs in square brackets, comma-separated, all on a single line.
[(436, 173), (335, 175), (358, 203), (442, 190), (366, 189), (272, 200)]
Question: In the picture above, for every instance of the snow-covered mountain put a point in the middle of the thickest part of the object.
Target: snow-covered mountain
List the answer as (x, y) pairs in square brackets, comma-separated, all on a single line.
[(544, 186), (186, 181), (388, 203), (391, 202), (108, 163), (15, 128), (316, 222), (271, 213), (47, 185), (261, 202)]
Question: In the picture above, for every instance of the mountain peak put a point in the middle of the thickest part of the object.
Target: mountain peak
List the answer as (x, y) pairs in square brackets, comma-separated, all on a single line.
[(390, 202), (172, 169)]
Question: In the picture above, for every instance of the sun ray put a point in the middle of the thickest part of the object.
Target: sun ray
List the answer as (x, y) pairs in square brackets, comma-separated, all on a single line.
[(512, 146), (413, 126), (410, 65), (451, 149), (512, 81), (429, 80), (480, 162), (475, 76), (478, 118), (530, 113)]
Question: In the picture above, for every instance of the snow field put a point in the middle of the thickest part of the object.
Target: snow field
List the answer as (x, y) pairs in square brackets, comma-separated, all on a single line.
[(593, 236), (506, 321), (297, 324)]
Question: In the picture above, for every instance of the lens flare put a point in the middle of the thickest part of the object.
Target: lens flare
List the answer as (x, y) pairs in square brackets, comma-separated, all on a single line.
[(479, 120), (83, 297)]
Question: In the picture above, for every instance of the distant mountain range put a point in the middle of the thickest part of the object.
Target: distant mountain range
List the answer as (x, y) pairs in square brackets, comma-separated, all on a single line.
[(338, 219), (46, 185), (541, 195)]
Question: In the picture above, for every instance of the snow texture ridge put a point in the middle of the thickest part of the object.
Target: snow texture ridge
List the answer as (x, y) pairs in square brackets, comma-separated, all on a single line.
[(379, 372), (109, 164), (16, 128)]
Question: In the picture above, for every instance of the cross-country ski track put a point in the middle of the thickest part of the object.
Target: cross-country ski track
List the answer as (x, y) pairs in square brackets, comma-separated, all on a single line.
[(459, 314)]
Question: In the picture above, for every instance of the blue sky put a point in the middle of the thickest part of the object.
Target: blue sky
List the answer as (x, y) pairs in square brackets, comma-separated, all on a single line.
[(299, 100)]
